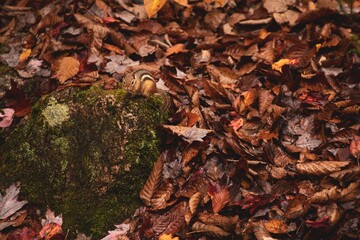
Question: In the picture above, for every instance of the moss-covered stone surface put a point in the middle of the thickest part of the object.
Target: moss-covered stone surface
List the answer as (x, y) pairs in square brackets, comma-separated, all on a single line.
[(85, 154)]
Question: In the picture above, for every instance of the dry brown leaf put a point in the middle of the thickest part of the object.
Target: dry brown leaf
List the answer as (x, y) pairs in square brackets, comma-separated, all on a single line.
[(172, 221), (194, 202), (347, 174), (159, 199), (153, 181), (337, 194), (320, 168), (210, 230), (297, 207), (355, 147), (260, 231), (277, 6), (225, 222), (265, 100), (276, 226), (191, 151), (66, 68), (153, 6), (189, 134)]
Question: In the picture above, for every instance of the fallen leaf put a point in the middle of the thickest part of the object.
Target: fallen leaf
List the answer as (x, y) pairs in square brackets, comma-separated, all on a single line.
[(153, 6), (211, 230), (6, 116), (24, 55), (66, 68), (9, 204), (320, 168), (276, 226), (355, 147), (189, 134), (279, 64)]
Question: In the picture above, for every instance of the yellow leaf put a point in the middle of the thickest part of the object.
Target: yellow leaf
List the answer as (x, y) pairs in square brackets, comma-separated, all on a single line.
[(66, 68), (25, 54), (278, 65), (167, 237), (183, 2), (153, 6)]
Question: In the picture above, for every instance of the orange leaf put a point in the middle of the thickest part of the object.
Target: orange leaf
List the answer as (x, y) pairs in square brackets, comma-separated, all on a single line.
[(183, 2), (276, 226), (153, 6), (175, 49), (66, 68), (24, 55), (278, 65)]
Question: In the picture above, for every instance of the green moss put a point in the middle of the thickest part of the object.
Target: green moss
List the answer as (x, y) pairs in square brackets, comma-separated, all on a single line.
[(96, 154)]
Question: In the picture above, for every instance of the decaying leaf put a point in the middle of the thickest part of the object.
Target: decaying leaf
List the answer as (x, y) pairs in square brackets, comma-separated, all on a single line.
[(225, 222), (320, 168), (153, 181), (337, 194), (355, 147), (276, 226), (66, 68), (297, 207), (211, 230), (9, 203), (346, 174), (6, 116), (189, 134)]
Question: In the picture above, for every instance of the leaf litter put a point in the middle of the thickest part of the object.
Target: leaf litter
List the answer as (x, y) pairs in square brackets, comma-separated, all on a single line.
[(263, 140)]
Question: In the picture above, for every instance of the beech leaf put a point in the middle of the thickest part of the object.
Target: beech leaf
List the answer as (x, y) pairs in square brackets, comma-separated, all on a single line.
[(153, 6), (66, 68), (320, 168)]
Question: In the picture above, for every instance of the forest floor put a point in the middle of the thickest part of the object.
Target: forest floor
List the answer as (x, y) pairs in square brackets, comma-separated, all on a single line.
[(263, 141)]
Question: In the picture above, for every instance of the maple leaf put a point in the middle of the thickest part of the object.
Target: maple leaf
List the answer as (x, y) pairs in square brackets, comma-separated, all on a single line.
[(119, 63), (189, 134), (120, 230), (9, 203)]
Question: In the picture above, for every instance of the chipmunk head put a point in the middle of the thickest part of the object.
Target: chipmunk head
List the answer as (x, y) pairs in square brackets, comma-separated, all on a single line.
[(133, 81)]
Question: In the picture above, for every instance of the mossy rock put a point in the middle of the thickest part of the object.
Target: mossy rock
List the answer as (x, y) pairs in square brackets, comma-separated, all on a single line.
[(85, 154)]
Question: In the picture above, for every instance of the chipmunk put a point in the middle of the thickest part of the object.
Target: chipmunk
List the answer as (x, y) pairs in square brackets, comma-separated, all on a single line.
[(141, 83)]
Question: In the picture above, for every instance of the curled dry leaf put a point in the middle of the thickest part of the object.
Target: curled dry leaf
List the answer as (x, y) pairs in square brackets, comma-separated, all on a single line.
[(297, 207), (276, 226), (161, 196), (320, 168), (337, 194), (211, 230), (153, 181), (194, 202), (260, 231), (225, 222), (347, 174), (355, 147), (66, 68)]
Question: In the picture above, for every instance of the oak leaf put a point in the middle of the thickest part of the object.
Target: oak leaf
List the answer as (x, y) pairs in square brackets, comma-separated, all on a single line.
[(9, 203)]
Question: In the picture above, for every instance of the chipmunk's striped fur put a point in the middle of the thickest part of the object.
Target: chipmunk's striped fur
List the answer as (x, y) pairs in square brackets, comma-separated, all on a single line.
[(142, 83)]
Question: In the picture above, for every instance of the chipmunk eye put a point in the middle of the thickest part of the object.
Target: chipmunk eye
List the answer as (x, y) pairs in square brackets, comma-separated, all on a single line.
[(132, 82)]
